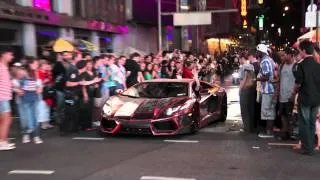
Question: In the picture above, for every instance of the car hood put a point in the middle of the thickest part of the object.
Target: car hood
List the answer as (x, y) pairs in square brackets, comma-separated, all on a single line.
[(123, 107)]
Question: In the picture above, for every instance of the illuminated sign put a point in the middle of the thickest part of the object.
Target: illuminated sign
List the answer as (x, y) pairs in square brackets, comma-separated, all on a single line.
[(42, 4), (261, 22), (245, 24), (244, 11)]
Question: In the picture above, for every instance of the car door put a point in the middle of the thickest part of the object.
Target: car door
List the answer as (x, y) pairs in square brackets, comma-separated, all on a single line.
[(205, 99)]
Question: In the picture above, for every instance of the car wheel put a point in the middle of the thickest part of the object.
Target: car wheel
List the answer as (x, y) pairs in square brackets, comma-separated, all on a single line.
[(224, 109)]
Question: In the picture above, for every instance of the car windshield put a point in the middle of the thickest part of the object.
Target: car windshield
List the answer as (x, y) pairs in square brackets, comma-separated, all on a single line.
[(157, 90)]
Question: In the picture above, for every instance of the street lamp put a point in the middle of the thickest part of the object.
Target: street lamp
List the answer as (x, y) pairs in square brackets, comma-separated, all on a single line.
[(272, 25), (292, 27), (284, 14)]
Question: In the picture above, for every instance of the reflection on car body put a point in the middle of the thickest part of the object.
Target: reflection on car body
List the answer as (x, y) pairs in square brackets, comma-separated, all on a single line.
[(164, 107)]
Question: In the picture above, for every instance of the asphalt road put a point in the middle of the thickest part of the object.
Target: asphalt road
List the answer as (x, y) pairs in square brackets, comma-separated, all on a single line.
[(218, 152)]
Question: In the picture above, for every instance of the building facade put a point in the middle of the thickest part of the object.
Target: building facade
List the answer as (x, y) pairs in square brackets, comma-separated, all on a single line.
[(28, 25)]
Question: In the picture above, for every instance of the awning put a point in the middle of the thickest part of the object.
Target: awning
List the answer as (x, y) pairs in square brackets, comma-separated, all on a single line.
[(61, 45), (311, 35), (86, 46)]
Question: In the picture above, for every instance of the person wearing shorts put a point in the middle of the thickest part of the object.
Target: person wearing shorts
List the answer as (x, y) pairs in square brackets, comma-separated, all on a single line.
[(268, 100), (6, 57)]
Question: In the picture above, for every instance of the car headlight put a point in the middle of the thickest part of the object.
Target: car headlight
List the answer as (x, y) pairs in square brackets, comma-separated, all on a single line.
[(107, 110), (170, 111), (235, 75)]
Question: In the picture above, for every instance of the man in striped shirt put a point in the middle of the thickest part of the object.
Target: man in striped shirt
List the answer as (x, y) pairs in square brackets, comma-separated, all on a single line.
[(6, 57), (268, 101)]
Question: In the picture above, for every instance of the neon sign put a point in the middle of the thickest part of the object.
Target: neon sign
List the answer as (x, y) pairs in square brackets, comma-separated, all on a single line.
[(244, 11), (42, 4)]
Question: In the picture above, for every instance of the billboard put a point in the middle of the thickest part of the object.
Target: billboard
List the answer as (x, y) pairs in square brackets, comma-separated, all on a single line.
[(194, 18)]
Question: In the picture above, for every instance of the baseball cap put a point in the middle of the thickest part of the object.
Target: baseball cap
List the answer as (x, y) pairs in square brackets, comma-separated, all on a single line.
[(262, 48)]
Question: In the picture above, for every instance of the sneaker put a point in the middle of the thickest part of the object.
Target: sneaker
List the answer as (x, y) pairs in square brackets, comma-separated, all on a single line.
[(26, 139), (6, 147), (263, 135), (37, 140)]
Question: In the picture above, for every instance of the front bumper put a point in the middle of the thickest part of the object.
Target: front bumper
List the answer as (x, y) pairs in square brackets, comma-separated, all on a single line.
[(166, 126)]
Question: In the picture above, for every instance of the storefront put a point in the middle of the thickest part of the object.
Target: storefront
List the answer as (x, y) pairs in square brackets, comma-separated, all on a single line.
[(44, 36), (10, 36)]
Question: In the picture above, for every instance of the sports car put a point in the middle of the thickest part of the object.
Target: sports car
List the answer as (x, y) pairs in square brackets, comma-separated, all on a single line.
[(164, 107)]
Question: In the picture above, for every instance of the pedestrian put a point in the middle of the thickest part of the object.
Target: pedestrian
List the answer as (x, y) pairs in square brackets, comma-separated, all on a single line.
[(72, 91), (121, 76), (308, 82), (247, 94), (19, 74), (32, 89), (87, 73), (285, 91), (46, 102), (257, 106), (59, 73), (134, 73), (268, 99), (6, 56), (112, 70)]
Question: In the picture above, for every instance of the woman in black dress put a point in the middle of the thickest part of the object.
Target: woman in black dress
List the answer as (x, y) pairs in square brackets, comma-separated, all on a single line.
[(88, 93)]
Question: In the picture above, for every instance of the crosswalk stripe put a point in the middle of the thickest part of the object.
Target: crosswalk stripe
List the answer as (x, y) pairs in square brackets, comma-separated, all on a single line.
[(163, 178), (88, 138), (34, 172), (281, 144), (181, 141)]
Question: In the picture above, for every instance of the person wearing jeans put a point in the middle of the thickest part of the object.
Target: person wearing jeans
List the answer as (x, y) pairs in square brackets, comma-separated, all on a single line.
[(247, 95), (308, 85), (32, 89)]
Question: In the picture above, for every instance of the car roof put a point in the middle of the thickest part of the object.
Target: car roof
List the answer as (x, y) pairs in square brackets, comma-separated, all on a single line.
[(171, 80)]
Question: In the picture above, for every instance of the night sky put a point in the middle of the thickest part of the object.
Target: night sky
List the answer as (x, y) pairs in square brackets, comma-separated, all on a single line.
[(293, 17)]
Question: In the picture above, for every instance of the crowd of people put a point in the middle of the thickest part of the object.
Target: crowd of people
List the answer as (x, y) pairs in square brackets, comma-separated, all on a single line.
[(70, 91), (280, 91)]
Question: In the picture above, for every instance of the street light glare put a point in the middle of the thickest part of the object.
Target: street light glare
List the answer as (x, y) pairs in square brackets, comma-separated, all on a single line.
[(284, 14), (292, 27), (272, 25), (286, 8)]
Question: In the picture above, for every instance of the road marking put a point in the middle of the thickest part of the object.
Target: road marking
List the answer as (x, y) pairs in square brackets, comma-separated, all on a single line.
[(281, 144), (32, 172), (181, 141), (88, 138), (163, 178)]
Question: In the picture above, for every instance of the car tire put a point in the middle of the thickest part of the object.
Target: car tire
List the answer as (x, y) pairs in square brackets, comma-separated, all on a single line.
[(224, 109)]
